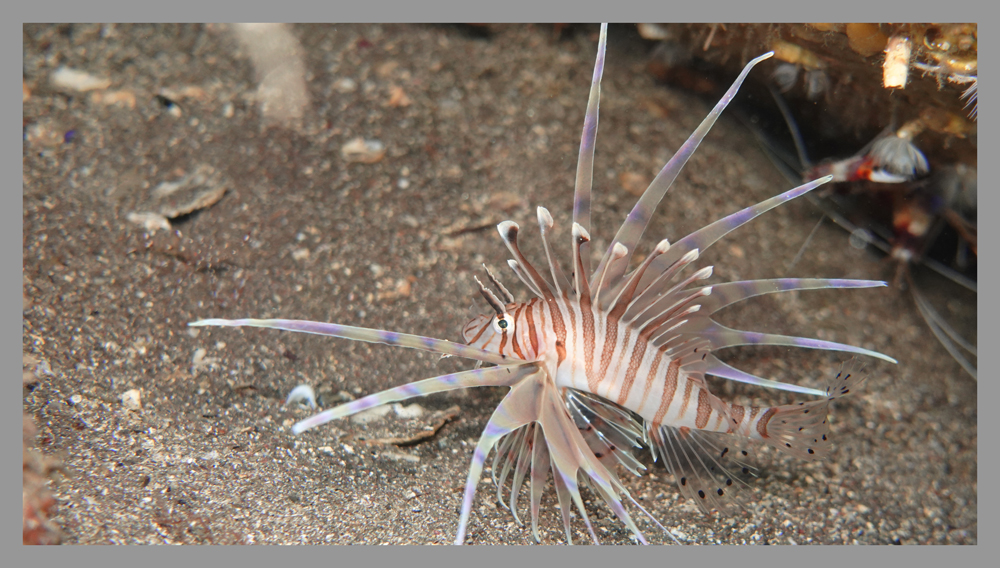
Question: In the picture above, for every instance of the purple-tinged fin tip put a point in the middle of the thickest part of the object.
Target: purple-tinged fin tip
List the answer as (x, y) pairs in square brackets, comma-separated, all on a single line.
[(364, 334), (492, 377), (638, 219)]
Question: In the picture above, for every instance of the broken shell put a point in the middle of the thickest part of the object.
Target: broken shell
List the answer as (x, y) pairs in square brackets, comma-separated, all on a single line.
[(304, 394), (132, 400), (75, 80), (363, 151)]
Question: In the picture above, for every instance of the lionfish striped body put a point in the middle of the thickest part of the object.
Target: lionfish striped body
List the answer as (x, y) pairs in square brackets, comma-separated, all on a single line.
[(600, 364)]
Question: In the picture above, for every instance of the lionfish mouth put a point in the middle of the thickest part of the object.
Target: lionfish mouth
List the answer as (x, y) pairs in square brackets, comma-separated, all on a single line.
[(545, 426)]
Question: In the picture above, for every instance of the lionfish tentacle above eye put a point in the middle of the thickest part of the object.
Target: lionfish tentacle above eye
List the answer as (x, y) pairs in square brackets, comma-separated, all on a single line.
[(508, 298), (491, 298), (605, 361)]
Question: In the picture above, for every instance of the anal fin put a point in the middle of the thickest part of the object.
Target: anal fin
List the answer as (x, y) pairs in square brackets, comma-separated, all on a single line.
[(709, 468)]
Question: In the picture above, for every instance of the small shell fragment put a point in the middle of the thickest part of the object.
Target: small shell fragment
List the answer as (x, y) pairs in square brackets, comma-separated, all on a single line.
[(201, 188), (200, 361), (653, 31), (278, 63), (304, 394), (363, 151), (345, 85), (148, 220), (398, 98), (409, 411), (75, 80), (371, 415), (132, 400)]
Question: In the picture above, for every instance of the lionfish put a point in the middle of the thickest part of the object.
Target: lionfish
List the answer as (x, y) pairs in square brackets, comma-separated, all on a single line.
[(606, 360)]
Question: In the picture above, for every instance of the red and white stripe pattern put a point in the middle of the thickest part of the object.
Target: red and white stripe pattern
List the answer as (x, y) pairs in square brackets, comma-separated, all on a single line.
[(599, 353)]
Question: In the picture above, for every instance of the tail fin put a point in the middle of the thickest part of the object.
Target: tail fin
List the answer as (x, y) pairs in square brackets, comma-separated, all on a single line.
[(801, 429)]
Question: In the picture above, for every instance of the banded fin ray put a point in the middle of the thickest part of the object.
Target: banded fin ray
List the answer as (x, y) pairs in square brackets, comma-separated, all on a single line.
[(715, 367), (638, 219), (365, 334), (721, 337), (523, 463), (606, 439), (709, 234), (730, 293), (585, 162), (570, 457), (510, 449), (518, 408), (493, 377)]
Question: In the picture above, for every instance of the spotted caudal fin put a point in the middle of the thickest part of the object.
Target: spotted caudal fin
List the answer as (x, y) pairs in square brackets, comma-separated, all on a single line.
[(802, 429)]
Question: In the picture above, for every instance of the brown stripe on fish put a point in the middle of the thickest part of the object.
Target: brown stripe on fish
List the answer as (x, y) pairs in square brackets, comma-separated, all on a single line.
[(762, 423), (634, 363), (513, 339), (688, 385), (650, 377), (736, 411), (557, 307), (704, 409), (503, 342), (530, 319), (589, 341), (559, 326), (486, 326), (669, 387)]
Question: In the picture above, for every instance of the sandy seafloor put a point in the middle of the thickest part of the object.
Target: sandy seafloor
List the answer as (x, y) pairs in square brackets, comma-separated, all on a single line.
[(491, 131)]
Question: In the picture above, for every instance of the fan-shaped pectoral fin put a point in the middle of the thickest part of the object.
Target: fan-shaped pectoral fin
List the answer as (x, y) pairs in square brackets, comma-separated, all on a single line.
[(518, 408)]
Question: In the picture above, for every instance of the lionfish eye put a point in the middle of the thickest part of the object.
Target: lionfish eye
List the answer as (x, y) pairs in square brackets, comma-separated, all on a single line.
[(503, 323)]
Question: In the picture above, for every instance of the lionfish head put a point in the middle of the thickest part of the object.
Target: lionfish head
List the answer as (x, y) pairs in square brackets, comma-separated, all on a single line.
[(485, 331), (491, 331)]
